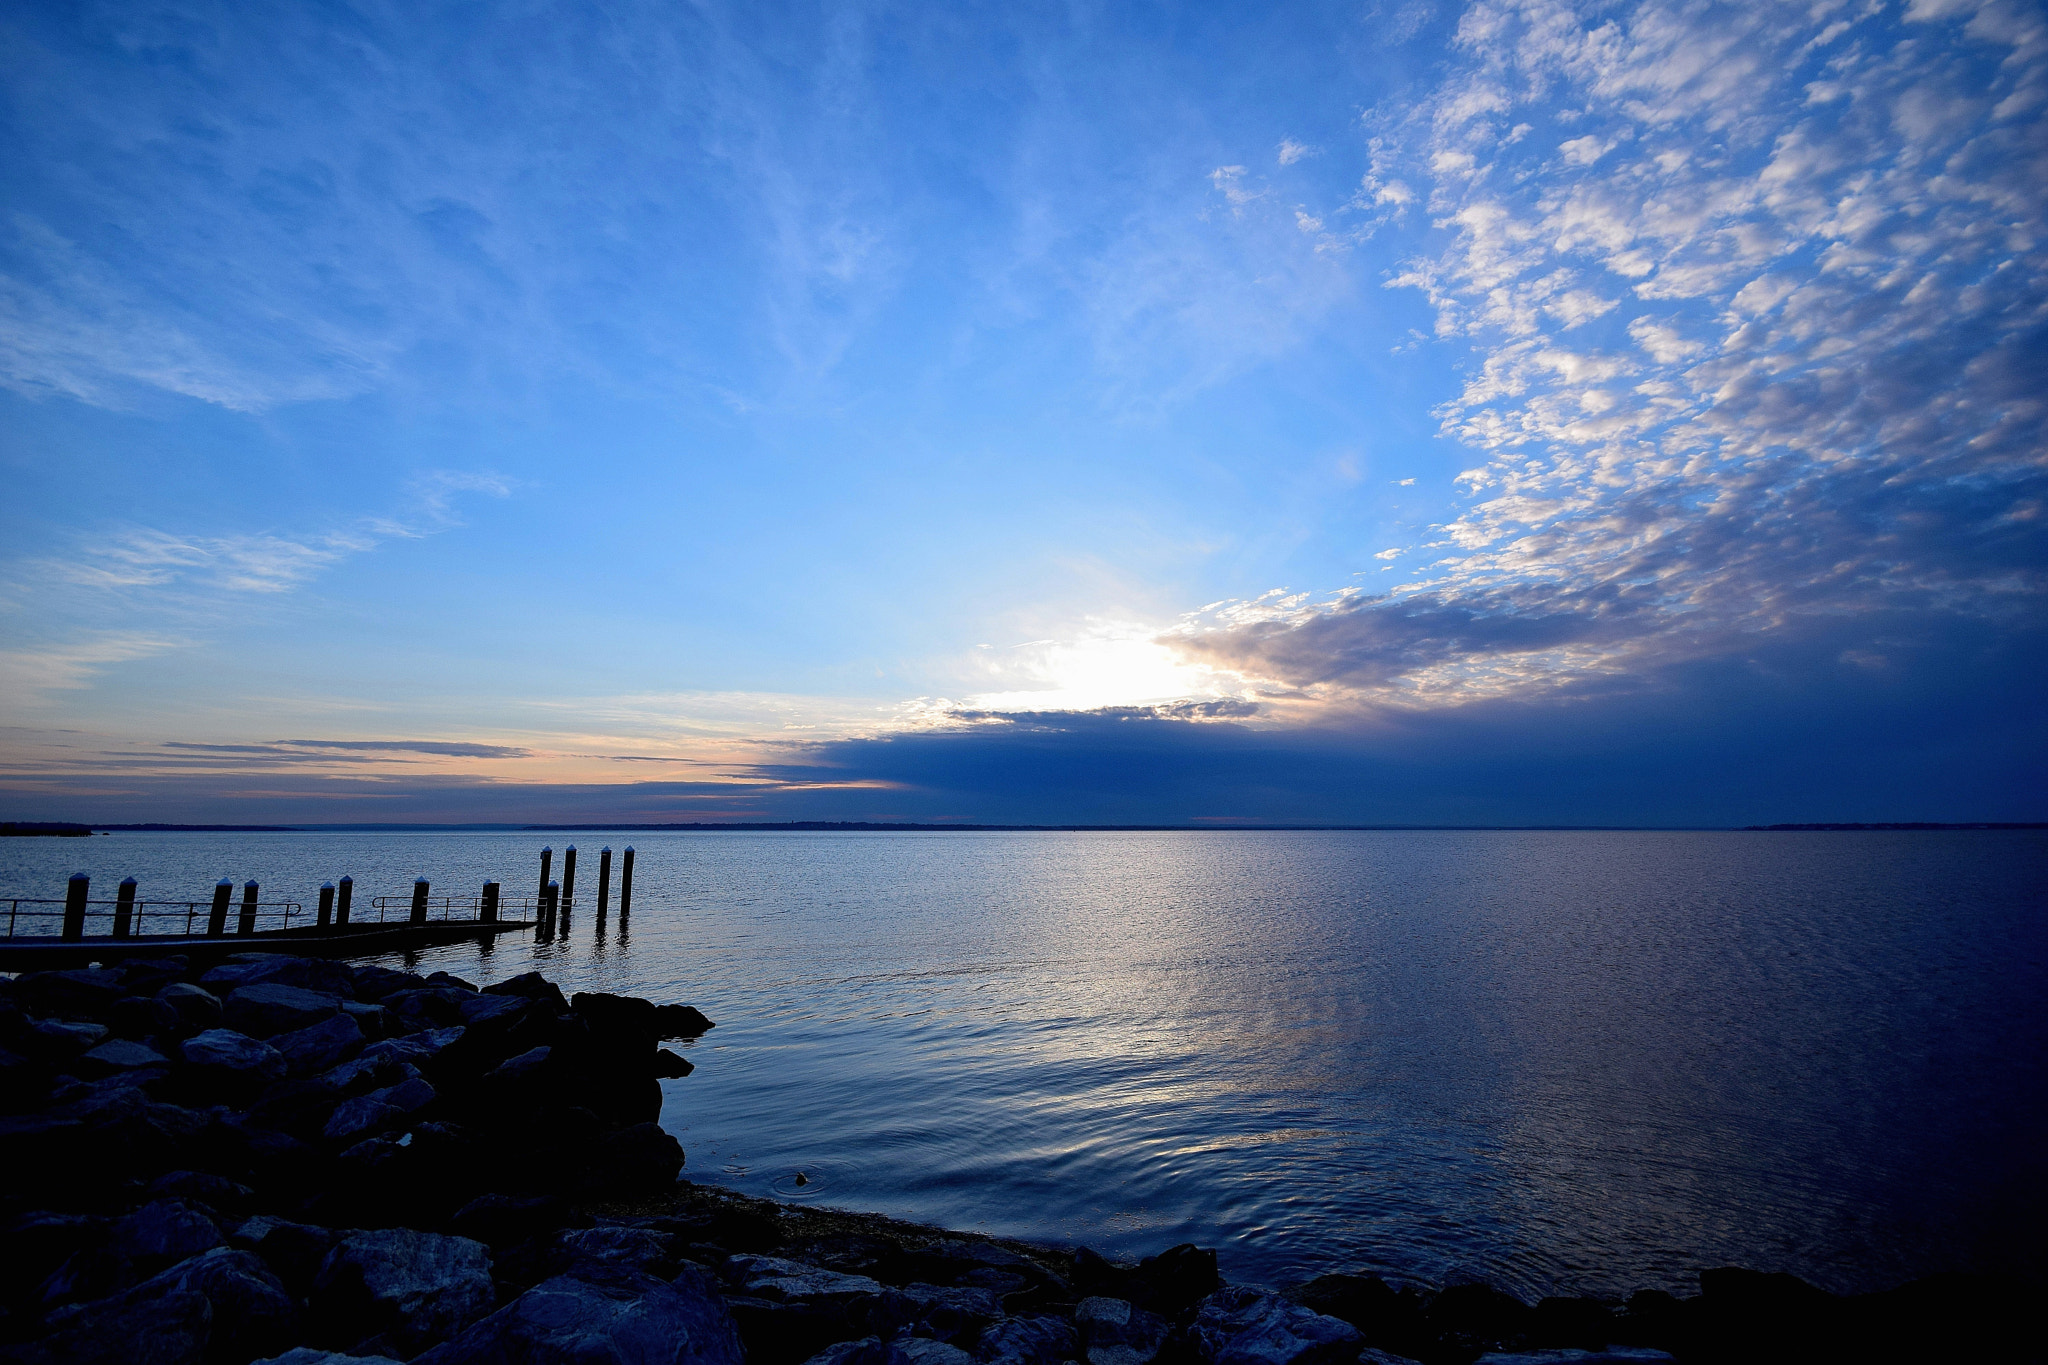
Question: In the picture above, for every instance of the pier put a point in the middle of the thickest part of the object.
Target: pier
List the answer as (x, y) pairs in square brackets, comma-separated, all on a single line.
[(77, 930)]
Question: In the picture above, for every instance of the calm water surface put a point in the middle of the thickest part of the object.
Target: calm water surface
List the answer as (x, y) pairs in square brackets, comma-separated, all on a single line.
[(1559, 1062)]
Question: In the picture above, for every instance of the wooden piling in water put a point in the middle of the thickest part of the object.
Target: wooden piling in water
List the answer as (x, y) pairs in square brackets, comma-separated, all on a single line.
[(74, 905), (124, 908), (326, 914), (487, 908), (419, 901), (568, 877), (604, 880), (550, 895), (250, 891), (347, 893), (626, 883), (547, 860), (217, 922)]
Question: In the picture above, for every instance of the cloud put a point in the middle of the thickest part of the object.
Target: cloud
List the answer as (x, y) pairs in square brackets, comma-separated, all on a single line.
[(1800, 415), (1291, 151), (286, 747)]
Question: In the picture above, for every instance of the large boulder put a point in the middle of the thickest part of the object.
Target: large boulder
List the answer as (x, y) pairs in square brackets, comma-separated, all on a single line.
[(530, 986), (403, 1288), (141, 1017), (252, 1312), (223, 1062), (313, 1355), (320, 1047), (638, 1158), (293, 1251), (602, 1315), (326, 976), (122, 1057), (1242, 1326), (680, 1021), (1029, 1341), (139, 1327), (270, 1007), (197, 1008), (1116, 1332), (85, 993), (1175, 1280)]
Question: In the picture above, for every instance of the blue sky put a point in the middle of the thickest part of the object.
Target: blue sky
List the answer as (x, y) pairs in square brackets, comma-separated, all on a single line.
[(1509, 412)]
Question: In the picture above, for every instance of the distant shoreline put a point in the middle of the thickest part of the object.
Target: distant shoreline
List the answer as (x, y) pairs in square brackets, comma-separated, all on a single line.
[(72, 829)]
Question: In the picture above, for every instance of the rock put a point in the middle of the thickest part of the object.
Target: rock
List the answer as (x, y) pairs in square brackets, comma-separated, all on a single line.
[(1476, 1315), (119, 1056), (215, 1191), (252, 1313), (450, 979), (499, 1220), (530, 986), (602, 1315), (640, 1248), (85, 993), (1029, 1341), (1613, 1355), (1372, 1355), (1367, 1303), (640, 1157), (148, 975), (162, 1232), (323, 976), (1583, 1323), (924, 1351), (429, 1007), (953, 1313), (39, 1242), (293, 1251), (308, 1355), (616, 1019), (668, 1066), (493, 1011), (361, 1117), (320, 1047), (139, 1017), (408, 1288), (197, 1007), (770, 1277), (373, 1020), (1242, 1326), (374, 983), (1175, 1280), (57, 1042), (680, 1021), (133, 1328), (224, 1062), (1114, 1332), (270, 1007)]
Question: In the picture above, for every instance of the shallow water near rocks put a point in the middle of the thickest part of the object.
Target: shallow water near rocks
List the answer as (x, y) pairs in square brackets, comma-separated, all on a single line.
[(1561, 1062)]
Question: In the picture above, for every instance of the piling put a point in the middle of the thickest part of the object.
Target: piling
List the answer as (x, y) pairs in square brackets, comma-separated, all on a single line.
[(419, 901), (568, 876), (547, 860), (626, 884), (217, 922), (74, 905), (346, 894), (326, 915), (124, 908), (604, 880), (248, 920), (549, 896), (487, 908)]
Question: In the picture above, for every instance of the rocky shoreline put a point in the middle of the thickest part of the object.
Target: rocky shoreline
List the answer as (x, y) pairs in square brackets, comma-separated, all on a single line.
[(296, 1159)]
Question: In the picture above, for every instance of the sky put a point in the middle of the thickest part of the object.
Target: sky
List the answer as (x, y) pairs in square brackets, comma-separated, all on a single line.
[(1517, 412)]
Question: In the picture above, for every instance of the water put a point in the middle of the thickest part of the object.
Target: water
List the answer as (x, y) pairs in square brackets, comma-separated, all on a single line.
[(1559, 1062)]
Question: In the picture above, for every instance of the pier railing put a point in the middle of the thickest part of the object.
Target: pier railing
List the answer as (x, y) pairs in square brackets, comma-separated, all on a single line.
[(30, 918), (388, 909)]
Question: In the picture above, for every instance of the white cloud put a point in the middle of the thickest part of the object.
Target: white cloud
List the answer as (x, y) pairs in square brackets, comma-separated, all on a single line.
[(1803, 387), (1291, 151)]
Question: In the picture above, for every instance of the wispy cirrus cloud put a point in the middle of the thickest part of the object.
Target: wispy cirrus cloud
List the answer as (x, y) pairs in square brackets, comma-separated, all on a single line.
[(1758, 303)]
